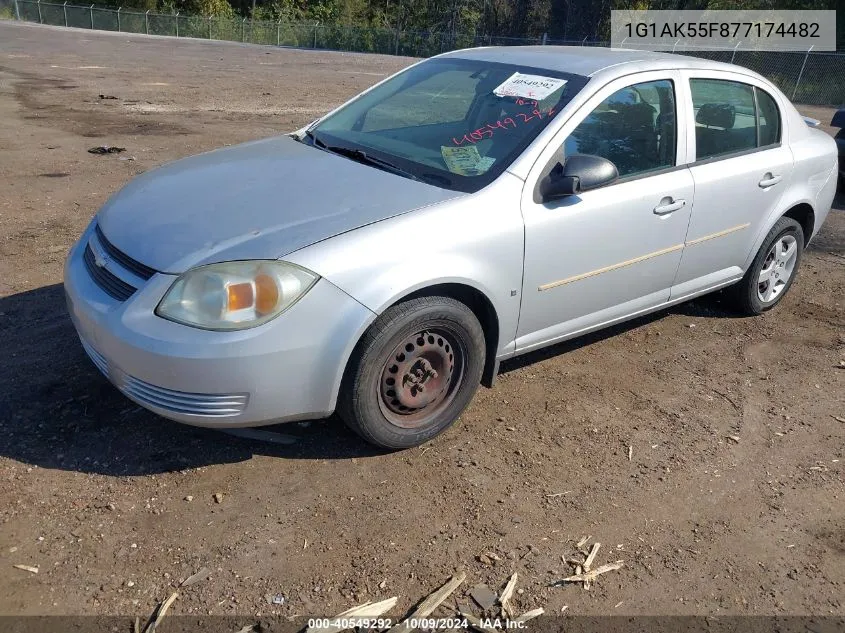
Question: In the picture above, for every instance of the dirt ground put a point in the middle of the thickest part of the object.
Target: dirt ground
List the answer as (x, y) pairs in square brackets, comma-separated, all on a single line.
[(115, 505)]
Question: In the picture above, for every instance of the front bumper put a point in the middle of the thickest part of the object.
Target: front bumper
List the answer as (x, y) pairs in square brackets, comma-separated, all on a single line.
[(287, 369)]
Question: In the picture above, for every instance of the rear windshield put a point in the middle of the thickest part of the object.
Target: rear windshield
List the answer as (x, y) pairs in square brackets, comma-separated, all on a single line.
[(454, 123)]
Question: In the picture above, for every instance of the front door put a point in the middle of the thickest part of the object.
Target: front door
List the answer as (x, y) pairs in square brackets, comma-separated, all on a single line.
[(604, 254)]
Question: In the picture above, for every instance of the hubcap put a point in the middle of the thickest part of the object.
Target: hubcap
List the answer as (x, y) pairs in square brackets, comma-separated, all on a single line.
[(777, 268), (419, 378)]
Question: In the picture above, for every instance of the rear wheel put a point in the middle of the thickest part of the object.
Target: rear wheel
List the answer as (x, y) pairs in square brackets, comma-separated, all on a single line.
[(413, 372), (773, 270)]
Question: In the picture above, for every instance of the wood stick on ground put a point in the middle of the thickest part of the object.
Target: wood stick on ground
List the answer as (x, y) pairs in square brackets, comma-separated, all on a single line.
[(136, 628), (201, 575), (30, 569), (434, 600), (366, 610), (595, 573), (162, 611), (504, 600), (580, 570), (583, 541), (475, 623), (530, 615), (589, 562), (729, 399)]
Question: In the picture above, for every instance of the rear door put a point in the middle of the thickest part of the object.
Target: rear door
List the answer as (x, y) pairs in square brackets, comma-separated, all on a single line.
[(740, 169)]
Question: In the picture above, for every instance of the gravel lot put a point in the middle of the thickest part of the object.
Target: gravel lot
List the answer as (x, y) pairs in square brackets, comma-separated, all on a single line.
[(115, 505)]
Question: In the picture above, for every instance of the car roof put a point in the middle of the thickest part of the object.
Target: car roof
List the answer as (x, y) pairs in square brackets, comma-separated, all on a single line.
[(589, 60)]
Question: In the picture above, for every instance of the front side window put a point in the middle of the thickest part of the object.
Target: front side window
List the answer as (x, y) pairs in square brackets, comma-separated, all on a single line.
[(730, 118), (454, 123), (634, 128)]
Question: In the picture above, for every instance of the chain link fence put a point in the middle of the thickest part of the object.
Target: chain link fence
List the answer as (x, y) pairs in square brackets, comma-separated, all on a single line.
[(810, 78)]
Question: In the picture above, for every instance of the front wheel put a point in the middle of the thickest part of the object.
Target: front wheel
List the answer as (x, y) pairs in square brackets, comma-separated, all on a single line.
[(773, 270), (413, 372)]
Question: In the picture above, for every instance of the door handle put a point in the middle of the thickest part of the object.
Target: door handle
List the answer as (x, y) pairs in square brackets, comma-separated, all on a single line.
[(769, 180), (667, 206)]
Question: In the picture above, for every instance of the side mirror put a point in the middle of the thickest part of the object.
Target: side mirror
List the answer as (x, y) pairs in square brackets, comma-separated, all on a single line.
[(580, 172)]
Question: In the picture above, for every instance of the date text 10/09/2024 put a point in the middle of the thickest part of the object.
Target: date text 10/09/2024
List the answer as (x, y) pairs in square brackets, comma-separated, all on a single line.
[(380, 624)]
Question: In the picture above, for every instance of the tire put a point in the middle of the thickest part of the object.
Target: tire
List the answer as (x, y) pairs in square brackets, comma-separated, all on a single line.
[(753, 295), (425, 356)]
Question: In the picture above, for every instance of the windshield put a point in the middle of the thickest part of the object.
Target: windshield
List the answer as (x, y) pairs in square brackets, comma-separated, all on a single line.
[(453, 123)]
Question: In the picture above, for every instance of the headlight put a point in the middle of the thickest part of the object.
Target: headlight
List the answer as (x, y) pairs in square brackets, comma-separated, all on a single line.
[(235, 295)]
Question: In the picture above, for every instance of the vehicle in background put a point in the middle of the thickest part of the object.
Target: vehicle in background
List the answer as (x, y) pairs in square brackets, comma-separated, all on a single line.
[(839, 121)]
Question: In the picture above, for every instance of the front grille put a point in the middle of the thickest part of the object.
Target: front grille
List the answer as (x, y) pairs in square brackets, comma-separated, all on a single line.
[(135, 267), (205, 404), (106, 280)]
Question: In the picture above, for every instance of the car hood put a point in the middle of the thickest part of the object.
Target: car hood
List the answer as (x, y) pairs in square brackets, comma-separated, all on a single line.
[(259, 200)]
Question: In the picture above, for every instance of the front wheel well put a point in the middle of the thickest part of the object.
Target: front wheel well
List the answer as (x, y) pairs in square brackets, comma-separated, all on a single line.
[(484, 311), (805, 216)]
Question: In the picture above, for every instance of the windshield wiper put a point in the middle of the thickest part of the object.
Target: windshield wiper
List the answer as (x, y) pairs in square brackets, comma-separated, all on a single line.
[(361, 156), (367, 159)]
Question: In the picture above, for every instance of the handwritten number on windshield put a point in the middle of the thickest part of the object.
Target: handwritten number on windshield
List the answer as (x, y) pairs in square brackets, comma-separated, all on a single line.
[(505, 123)]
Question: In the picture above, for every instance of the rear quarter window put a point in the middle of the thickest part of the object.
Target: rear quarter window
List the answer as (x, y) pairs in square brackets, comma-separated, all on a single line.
[(769, 118)]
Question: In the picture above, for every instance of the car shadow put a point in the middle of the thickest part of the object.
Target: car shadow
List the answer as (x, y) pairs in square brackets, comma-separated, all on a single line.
[(59, 412)]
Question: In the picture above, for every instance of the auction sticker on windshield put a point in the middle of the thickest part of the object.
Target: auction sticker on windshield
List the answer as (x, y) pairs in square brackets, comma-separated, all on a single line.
[(528, 86), (466, 161)]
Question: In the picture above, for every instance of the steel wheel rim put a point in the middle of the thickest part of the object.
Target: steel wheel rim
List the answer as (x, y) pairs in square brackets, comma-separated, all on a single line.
[(777, 270), (420, 377)]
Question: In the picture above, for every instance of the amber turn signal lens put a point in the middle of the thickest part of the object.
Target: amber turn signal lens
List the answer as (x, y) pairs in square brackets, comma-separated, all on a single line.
[(267, 294), (240, 296)]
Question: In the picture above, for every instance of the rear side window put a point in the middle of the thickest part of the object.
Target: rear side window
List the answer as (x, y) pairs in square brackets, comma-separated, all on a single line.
[(634, 128), (732, 117)]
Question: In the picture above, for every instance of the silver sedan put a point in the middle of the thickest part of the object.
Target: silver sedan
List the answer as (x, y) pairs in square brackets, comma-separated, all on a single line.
[(478, 205)]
